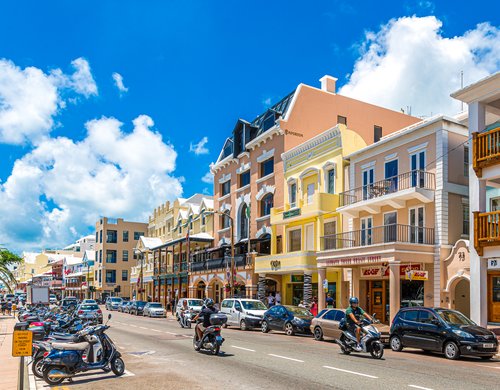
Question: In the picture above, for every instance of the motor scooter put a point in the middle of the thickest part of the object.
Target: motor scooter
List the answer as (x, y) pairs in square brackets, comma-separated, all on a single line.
[(370, 339), (211, 340), (185, 318)]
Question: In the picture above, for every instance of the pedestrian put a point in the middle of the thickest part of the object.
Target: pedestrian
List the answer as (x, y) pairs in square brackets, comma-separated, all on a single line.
[(330, 303), (278, 298), (270, 300), (172, 305), (301, 304), (314, 307), (9, 307), (4, 306)]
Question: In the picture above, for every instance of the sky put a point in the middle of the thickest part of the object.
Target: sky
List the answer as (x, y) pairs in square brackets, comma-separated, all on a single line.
[(113, 107)]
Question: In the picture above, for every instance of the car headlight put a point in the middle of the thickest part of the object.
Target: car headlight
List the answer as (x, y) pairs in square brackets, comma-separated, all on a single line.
[(463, 334)]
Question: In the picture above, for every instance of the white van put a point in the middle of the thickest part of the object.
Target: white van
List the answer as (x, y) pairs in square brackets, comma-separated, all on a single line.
[(193, 303), (242, 312)]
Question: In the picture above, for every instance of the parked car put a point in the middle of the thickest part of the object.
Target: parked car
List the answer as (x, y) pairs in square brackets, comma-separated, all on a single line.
[(123, 305), (137, 307), (242, 312), (326, 324), (112, 303), (69, 301), (194, 304), (441, 330), (89, 302), (154, 309), (89, 312), (291, 319), (126, 309), (52, 299)]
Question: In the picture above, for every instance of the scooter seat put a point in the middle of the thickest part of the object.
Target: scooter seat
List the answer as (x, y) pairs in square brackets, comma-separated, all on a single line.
[(70, 346), (63, 337)]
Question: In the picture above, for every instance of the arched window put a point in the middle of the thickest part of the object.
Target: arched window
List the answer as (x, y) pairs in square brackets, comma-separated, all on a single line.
[(266, 204), (244, 222)]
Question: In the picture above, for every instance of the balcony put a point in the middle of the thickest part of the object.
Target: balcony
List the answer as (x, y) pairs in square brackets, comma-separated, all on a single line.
[(393, 191), (320, 203), (486, 230), (385, 234), (485, 150), (217, 264)]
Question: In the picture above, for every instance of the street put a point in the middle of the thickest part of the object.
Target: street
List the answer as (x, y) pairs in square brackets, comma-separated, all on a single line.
[(159, 355)]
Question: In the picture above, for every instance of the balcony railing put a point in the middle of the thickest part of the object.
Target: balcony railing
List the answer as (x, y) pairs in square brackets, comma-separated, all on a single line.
[(379, 235), (217, 264), (404, 181), (485, 149), (486, 230)]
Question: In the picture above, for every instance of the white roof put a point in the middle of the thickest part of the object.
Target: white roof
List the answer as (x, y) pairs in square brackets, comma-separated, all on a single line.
[(201, 235), (89, 255), (72, 260), (183, 214), (208, 202), (195, 209), (150, 242), (52, 257)]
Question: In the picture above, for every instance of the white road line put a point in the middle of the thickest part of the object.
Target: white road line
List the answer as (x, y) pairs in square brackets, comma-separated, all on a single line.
[(420, 387), (351, 372), (142, 327), (133, 326), (287, 358), (170, 333), (185, 335), (481, 365), (244, 349), (155, 330), (127, 373)]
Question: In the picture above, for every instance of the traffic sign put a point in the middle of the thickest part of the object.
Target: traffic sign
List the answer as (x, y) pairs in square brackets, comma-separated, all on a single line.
[(22, 343)]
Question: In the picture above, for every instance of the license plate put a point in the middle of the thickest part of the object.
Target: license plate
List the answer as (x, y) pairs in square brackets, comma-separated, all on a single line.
[(489, 345)]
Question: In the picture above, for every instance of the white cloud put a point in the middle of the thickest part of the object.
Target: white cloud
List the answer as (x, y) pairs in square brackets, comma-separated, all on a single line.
[(30, 98), (199, 148), (62, 186), (119, 82), (266, 102), (410, 63), (208, 178)]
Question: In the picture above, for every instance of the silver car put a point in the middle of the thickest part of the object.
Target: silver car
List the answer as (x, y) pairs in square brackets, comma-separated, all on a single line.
[(89, 312), (154, 309)]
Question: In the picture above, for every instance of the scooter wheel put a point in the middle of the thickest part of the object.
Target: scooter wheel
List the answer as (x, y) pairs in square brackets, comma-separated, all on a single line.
[(215, 349), (195, 344), (345, 351), (37, 366), (118, 366), (377, 350), (50, 375)]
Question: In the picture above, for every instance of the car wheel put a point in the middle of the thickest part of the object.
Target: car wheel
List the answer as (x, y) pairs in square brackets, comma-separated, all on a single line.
[(264, 327), (396, 344), (243, 325), (318, 334), (289, 329), (451, 350)]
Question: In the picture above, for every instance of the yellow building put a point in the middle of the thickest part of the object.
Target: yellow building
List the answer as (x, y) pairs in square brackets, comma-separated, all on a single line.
[(314, 175)]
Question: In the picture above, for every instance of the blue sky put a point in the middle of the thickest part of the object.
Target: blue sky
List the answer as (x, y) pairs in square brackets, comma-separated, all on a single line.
[(193, 67)]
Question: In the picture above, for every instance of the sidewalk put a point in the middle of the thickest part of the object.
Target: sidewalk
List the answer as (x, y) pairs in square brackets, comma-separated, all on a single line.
[(9, 366), (495, 328)]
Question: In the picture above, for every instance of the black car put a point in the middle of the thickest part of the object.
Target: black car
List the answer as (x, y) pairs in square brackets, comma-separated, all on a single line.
[(137, 307), (291, 319), (441, 330)]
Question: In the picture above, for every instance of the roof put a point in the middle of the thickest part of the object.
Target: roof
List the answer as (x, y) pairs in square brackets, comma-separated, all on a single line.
[(72, 260), (209, 202), (198, 237), (89, 255), (480, 89), (150, 242)]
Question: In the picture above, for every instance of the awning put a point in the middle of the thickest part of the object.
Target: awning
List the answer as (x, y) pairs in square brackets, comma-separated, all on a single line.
[(199, 237)]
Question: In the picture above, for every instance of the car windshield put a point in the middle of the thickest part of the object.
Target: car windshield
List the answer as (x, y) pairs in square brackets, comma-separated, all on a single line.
[(454, 317), (155, 305), (298, 311), (116, 299), (141, 303), (253, 305), (89, 307), (195, 302)]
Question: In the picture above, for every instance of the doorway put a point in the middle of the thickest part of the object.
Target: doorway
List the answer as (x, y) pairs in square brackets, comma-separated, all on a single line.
[(494, 297), (378, 298), (462, 297), (200, 290)]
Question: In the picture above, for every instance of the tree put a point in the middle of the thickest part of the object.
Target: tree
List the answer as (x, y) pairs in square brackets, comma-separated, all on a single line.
[(7, 258)]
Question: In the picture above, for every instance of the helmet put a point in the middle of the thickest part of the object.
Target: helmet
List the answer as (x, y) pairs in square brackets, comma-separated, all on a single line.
[(353, 301), (209, 302)]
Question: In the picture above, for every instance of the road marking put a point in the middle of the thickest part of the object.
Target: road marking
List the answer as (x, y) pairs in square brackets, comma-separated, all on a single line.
[(170, 333), (480, 365), (133, 326), (154, 330), (351, 372), (142, 327), (127, 373), (287, 358), (244, 349), (185, 335), (420, 387)]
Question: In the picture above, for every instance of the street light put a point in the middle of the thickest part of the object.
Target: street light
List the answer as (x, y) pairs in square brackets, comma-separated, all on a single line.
[(142, 275), (231, 220)]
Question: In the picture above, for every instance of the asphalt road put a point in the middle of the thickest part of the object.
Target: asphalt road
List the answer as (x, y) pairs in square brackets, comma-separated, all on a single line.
[(159, 355)]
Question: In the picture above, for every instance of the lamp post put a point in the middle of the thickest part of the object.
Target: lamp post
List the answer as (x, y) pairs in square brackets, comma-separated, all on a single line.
[(231, 221), (141, 274)]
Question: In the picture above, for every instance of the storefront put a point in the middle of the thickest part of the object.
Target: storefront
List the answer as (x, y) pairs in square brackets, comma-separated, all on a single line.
[(494, 290), (455, 278)]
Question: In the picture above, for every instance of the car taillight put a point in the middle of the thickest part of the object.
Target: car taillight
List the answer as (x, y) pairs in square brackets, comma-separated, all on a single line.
[(99, 311), (217, 329), (45, 354)]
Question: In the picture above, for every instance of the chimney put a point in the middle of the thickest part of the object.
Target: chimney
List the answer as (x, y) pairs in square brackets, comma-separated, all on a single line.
[(328, 83)]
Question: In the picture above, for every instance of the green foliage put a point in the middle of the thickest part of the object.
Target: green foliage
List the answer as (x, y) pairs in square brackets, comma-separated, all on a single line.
[(7, 258)]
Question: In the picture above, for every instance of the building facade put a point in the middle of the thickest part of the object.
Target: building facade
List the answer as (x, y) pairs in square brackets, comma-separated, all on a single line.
[(115, 256), (483, 100)]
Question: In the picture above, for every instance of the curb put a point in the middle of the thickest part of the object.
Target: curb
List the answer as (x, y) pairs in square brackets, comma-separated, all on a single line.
[(31, 379)]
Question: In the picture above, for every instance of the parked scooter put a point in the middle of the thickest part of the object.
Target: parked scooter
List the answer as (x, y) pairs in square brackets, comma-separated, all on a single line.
[(98, 352), (370, 339), (185, 318), (211, 340)]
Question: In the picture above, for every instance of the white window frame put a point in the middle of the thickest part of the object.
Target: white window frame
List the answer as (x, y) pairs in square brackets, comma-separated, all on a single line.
[(289, 241), (416, 207)]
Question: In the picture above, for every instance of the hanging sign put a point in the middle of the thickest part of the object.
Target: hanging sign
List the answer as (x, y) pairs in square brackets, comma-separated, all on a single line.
[(371, 272), (417, 275)]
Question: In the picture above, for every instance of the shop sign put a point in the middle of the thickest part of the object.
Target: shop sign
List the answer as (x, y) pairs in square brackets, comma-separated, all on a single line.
[(383, 271), (371, 272), (291, 213), (297, 278), (357, 260), (275, 265), (493, 263), (417, 275)]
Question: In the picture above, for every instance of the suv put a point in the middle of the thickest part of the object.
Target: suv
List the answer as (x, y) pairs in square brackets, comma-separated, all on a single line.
[(69, 301), (137, 307), (112, 303), (245, 313), (441, 330), (193, 303)]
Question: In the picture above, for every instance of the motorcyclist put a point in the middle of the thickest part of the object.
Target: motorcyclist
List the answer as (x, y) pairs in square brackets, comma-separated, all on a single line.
[(184, 309), (205, 314), (354, 314)]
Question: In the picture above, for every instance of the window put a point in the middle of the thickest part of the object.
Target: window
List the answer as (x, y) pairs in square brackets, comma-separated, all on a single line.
[(368, 178), (310, 193), (366, 231), (100, 256), (138, 235), (135, 256), (110, 256), (111, 276), (111, 237), (341, 120), (495, 204), (294, 239), (124, 275), (191, 225), (100, 236), (100, 276), (339, 316), (330, 315), (377, 133), (329, 230), (227, 303), (96, 236), (225, 220), (292, 194), (180, 229), (125, 236), (465, 213), (267, 167), (203, 218), (225, 188), (244, 221), (391, 176), (417, 162), (266, 204), (125, 255), (425, 316), (410, 315), (466, 161), (237, 306), (330, 175), (417, 225), (390, 226), (244, 179)]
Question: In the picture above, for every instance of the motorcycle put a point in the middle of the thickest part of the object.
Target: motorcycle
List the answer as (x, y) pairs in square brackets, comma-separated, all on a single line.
[(211, 340), (98, 352), (185, 318), (370, 339)]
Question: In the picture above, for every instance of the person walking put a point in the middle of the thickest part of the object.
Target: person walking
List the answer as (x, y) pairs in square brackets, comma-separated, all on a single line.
[(270, 300), (278, 298), (314, 307), (330, 303), (4, 306)]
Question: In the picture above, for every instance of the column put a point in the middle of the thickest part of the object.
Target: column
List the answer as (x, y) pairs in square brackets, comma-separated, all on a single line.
[(321, 290), (355, 275), (394, 290), (307, 287), (274, 240), (261, 289)]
